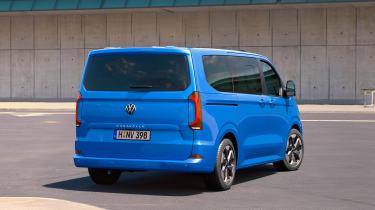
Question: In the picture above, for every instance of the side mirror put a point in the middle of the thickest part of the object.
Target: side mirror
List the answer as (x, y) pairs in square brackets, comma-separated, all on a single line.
[(290, 88)]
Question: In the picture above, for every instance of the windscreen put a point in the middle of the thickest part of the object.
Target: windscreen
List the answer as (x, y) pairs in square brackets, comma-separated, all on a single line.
[(131, 72)]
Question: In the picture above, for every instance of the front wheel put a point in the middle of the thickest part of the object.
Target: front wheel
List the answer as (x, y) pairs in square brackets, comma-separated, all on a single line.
[(293, 154), (104, 176), (225, 167)]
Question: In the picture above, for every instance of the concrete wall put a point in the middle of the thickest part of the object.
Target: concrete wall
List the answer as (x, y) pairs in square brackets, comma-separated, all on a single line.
[(328, 51)]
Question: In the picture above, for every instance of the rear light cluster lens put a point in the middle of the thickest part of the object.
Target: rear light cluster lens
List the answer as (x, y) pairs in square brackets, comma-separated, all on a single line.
[(78, 121), (197, 123), (196, 156)]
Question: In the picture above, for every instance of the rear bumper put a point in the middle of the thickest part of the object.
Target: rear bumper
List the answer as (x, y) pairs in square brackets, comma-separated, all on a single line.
[(188, 165)]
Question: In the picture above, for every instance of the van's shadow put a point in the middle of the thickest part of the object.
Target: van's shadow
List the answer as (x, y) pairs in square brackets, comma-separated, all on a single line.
[(158, 183)]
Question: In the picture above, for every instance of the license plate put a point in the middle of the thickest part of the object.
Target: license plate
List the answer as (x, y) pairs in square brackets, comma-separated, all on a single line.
[(132, 135)]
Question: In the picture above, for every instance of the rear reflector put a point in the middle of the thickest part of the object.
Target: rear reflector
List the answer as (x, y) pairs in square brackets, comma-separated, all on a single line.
[(196, 156), (78, 121), (197, 123)]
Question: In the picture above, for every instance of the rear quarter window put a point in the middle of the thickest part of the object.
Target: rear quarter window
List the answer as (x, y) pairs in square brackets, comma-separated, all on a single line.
[(217, 72), (125, 72), (238, 74)]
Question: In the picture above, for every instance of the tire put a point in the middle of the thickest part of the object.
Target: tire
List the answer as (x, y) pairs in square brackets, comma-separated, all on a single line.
[(104, 176), (225, 168), (293, 153)]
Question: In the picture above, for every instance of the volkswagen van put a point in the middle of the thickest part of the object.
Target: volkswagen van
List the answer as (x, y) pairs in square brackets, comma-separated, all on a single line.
[(206, 111)]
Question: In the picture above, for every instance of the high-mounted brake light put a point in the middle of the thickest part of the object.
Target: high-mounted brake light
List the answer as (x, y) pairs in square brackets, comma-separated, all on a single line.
[(78, 121), (197, 123)]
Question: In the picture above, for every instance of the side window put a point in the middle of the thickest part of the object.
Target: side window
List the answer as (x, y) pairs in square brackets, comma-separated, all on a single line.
[(273, 82), (233, 73), (246, 75), (217, 72)]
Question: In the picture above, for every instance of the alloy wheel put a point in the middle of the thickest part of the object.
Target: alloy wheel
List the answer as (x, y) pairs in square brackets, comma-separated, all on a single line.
[(228, 164), (294, 151)]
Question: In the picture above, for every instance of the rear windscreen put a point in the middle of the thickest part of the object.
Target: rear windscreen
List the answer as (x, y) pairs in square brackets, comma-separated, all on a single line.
[(125, 72)]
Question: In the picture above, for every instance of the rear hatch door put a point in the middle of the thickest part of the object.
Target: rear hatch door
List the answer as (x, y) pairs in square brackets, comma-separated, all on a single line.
[(145, 92)]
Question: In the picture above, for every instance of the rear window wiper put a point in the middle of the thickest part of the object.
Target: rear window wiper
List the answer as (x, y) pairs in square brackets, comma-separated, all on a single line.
[(140, 86)]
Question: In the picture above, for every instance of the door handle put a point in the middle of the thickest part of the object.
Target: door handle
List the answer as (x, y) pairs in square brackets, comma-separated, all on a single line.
[(272, 102), (262, 102)]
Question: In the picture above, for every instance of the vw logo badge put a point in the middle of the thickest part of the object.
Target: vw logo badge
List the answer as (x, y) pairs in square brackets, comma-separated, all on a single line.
[(130, 108)]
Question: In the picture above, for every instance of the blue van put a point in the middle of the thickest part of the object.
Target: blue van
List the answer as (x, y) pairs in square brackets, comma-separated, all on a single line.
[(205, 111)]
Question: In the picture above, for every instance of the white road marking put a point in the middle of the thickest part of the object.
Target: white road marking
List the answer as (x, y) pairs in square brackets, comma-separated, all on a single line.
[(34, 114), (360, 121), (50, 122)]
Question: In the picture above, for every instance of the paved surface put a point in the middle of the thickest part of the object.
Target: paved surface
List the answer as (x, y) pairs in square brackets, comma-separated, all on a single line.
[(338, 171)]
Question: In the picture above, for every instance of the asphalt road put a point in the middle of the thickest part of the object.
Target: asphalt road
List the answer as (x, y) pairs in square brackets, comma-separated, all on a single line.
[(338, 170)]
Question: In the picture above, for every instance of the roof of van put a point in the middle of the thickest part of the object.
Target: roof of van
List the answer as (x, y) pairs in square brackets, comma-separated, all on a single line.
[(172, 49)]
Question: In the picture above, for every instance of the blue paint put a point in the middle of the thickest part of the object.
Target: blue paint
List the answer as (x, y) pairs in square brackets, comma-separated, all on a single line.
[(260, 122)]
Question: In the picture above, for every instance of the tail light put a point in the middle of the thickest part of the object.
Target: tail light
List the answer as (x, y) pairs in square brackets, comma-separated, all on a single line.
[(78, 121), (197, 123)]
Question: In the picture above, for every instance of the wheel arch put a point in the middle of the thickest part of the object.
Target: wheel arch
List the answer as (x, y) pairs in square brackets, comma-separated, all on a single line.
[(230, 131), (295, 126), (229, 135), (298, 126)]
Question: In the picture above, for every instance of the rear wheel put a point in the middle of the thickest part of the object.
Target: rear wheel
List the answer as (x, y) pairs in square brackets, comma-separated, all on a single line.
[(293, 154), (104, 176), (225, 168)]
